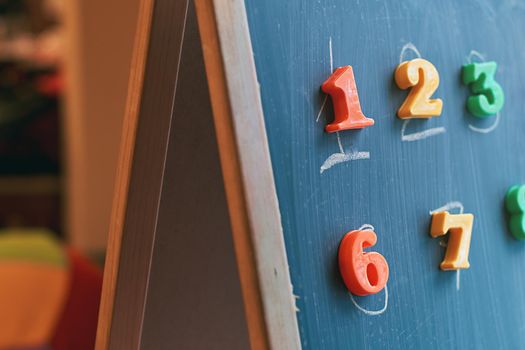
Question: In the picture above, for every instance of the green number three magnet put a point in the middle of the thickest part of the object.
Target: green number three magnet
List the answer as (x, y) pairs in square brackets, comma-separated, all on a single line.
[(488, 95)]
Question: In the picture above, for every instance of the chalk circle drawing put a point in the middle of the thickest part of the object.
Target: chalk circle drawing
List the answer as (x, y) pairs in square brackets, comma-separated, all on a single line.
[(368, 227), (475, 56), (449, 207), (411, 48), (341, 156)]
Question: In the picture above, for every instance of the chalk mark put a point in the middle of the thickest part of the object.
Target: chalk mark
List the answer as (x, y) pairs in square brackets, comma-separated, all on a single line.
[(322, 108), (371, 312), (331, 55), (421, 134), (447, 207), (481, 58), (486, 130), (338, 158), (339, 143), (410, 47), (331, 71), (366, 227), (475, 54)]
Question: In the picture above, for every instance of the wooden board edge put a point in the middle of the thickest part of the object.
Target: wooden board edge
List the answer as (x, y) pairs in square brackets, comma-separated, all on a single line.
[(122, 181), (246, 165)]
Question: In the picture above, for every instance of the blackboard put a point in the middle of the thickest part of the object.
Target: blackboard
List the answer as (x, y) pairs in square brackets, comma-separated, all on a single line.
[(393, 174), (293, 191)]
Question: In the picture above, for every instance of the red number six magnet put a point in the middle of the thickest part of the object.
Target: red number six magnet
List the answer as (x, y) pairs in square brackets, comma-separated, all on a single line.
[(363, 273)]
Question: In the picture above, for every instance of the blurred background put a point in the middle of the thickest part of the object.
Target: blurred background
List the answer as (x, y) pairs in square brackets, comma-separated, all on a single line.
[(64, 67)]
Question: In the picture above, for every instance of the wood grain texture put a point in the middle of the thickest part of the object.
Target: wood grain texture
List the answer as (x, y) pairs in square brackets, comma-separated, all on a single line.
[(404, 177), (253, 208), (118, 212), (140, 172)]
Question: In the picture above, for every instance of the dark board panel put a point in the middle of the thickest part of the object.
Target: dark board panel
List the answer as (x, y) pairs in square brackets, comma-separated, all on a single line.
[(395, 179), (194, 298)]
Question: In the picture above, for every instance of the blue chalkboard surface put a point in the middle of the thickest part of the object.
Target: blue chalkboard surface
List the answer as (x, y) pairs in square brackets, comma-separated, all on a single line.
[(393, 174)]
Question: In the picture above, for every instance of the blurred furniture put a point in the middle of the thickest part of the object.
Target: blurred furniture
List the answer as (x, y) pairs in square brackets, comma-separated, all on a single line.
[(99, 41), (30, 90), (49, 294)]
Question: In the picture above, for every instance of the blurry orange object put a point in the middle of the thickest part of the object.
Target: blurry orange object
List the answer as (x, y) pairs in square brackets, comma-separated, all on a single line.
[(50, 85), (32, 297)]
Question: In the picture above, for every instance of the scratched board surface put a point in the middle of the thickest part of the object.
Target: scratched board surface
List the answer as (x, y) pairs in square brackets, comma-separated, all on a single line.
[(393, 174)]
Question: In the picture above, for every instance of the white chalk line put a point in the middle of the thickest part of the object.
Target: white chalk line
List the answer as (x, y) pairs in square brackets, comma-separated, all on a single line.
[(331, 71), (338, 158), (371, 312), (339, 143), (366, 227), (475, 54), (447, 207), (410, 47), (322, 108), (331, 55), (481, 58), (421, 134), (341, 156), (486, 130)]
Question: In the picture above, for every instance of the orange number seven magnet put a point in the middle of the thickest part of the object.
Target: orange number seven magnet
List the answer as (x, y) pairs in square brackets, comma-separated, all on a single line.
[(459, 228), (363, 273), (348, 115)]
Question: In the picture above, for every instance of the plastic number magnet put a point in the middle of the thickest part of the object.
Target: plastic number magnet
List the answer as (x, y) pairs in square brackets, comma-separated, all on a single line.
[(343, 90), (515, 204), (423, 78), (363, 273), (459, 228), (489, 97)]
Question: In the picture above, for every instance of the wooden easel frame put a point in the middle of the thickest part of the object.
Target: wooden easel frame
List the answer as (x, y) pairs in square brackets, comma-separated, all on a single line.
[(246, 166)]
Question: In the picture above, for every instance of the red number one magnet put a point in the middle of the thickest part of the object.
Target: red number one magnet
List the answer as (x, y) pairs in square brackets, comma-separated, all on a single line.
[(348, 115)]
